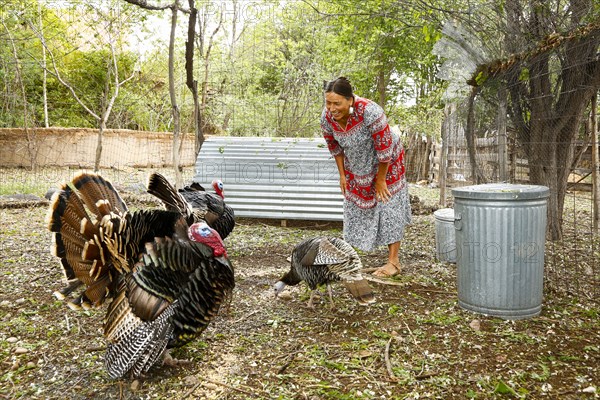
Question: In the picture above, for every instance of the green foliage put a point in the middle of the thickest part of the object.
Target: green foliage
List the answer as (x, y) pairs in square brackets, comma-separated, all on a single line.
[(76, 51), (503, 388), (265, 78), (390, 41), (394, 309)]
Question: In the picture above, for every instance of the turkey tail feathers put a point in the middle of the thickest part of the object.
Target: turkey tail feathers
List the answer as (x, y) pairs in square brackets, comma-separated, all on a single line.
[(361, 291), (160, 187), (139, 344), (74, 216), (94, 189), (193, 187)]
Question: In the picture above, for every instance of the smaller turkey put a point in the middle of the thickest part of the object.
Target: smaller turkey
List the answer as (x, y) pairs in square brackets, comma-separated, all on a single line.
[(195, 203), (323, 260)]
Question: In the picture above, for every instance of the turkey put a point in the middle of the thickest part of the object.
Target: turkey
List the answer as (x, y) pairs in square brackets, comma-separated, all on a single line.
[(195, 203), (164, 279), (322, 260)]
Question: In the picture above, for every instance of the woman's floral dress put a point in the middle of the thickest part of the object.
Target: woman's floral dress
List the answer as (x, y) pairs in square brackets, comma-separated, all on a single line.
[(365, 142)]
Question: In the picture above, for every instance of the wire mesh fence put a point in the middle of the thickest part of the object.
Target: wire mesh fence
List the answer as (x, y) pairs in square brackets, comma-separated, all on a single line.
[(527, 118), (533, 121)]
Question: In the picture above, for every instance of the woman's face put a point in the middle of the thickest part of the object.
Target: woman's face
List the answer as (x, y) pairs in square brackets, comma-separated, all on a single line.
[(337, 105)]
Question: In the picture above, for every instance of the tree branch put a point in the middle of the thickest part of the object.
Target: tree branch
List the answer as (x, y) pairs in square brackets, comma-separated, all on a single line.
[(155, 7), (57, 75), (189, 49), (118, 83), (145, 5), (548, 44)]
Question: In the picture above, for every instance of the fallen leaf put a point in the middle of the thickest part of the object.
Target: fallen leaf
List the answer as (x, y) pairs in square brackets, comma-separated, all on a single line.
[(365, 353), (191, 380), (475, 325), (21, 350), (285, 296)]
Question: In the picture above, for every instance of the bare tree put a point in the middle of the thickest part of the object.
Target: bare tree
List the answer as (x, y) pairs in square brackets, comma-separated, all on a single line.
[(548, 108), (205, 45), (551, 73), (200, 102), (192, 83), (112, 85), (593, 125), (32, 147), (44, 72), (175, 8)]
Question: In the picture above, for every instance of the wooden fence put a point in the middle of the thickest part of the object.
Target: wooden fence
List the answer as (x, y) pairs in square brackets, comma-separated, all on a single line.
[(459, 173)]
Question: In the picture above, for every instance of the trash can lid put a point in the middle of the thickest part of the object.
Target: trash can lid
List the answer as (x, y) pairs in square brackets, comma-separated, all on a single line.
[(502, 191), (444, 214)]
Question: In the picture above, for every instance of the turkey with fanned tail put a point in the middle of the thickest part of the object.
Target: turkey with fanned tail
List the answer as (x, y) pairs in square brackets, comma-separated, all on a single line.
[(165, 279), (323, 260), (195, 203)]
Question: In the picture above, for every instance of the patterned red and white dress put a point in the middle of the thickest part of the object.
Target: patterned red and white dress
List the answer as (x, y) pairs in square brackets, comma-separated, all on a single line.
[(366, 141)]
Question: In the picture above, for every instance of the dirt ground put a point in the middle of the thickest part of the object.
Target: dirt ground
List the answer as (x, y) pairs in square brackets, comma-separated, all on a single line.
[(414, 342)]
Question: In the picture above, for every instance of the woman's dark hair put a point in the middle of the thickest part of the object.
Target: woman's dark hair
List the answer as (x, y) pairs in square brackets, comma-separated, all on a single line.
[(339, 86)]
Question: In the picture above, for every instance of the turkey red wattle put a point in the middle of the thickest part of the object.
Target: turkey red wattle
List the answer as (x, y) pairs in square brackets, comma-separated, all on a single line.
[(202, 233)]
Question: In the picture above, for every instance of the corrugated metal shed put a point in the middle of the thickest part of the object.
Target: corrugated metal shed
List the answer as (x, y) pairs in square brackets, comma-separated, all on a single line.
[(280, 178)]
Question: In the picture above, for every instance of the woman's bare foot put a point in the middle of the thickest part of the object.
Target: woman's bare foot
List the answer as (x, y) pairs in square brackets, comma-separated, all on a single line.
[(388, 270)]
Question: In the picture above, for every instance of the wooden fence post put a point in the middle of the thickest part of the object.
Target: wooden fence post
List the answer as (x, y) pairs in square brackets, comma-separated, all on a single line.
[(595, 163), (502, 151), (443, 164)]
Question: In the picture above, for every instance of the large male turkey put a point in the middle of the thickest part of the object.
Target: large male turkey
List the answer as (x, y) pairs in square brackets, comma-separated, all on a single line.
[(166, 279), (196, 203), (323, 260)]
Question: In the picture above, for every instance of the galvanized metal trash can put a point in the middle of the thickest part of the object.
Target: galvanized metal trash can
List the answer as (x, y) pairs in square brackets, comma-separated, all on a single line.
[(445, 243), (500, 232)]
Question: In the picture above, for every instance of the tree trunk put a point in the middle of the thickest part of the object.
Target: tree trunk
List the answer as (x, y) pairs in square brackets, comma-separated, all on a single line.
[(103, 118), (191, 83), (32, 147), (173, 96), (425, 165), (101, 129), (502, 147), (476, 175), (595, 163), (177, 142), (45, 72), (447, 124), (204, 97), (548, 107)]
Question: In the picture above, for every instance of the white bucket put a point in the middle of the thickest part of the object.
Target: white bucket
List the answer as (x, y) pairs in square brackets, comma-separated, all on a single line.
[(445, 242)]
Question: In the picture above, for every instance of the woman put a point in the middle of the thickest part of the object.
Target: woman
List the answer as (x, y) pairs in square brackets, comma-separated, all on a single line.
[(370, 161)]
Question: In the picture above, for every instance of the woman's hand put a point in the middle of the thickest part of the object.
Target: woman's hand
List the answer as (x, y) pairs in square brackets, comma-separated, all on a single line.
[(339, 161), (382, 193), (343, 183)]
